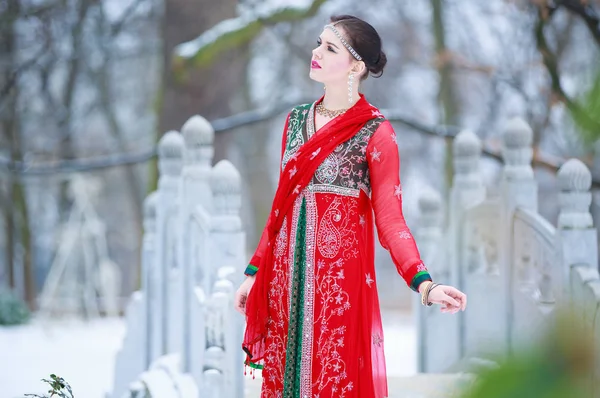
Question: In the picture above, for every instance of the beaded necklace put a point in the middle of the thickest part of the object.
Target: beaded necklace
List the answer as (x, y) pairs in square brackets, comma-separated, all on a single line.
[(321, 110)]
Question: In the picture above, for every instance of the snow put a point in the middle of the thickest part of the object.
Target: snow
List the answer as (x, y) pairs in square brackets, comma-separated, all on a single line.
[(84, 354)]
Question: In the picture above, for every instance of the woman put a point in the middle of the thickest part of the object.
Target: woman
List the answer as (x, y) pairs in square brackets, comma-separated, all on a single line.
[(310, 297)]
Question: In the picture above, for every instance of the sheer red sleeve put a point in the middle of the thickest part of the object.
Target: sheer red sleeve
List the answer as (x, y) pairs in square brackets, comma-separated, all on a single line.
[(386, 198), (262, 243)]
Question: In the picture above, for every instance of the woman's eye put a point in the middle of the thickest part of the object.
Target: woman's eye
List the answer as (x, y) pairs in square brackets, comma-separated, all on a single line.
[(318, 42), (330, 49)]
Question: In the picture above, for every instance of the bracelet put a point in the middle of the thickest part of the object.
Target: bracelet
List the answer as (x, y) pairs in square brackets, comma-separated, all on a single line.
[(430, 288), (424, 291), (426, 294)]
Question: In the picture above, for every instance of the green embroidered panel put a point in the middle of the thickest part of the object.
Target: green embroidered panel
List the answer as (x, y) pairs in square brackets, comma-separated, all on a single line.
[(293, 355)]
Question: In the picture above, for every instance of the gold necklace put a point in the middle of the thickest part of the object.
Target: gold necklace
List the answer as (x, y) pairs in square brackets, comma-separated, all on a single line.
[(321, 110)]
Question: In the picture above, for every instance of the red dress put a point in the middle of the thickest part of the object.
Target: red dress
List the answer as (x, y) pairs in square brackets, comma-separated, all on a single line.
[(325, 337)]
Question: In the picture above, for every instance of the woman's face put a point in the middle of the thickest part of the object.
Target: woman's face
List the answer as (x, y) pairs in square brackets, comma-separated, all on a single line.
[(331, 61)]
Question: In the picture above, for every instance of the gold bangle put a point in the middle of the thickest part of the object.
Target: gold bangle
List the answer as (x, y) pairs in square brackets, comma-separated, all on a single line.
[(425, 289), (430, 288)]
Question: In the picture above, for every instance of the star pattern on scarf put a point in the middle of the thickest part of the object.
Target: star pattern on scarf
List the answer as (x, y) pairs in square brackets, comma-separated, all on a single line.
[(315, 153), (375, 155), (398, 191), (377, 340), (368, 279)]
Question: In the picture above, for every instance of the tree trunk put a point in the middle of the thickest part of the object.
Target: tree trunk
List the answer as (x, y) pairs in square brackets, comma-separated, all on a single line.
[(210, 91), (15, 206), (447, 100)]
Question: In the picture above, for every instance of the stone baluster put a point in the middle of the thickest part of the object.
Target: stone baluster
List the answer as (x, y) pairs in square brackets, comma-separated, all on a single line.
[(193, 248), (430, 232), (228, 249), (228, 238), (576, 235), (467, 191), (150, 279), (429, 239), (170, 162), (518, 190), (198, 135)]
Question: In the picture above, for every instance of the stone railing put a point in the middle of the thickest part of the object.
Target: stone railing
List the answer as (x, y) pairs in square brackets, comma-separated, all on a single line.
[(182, 331), (514, 265)]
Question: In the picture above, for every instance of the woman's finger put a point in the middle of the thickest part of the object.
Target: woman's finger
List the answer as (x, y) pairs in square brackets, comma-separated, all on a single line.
[(457, 295), (450, 301), (240, 304)]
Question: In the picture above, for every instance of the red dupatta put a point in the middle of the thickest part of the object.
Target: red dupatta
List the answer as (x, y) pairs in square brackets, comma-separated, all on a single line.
[(295, 177)]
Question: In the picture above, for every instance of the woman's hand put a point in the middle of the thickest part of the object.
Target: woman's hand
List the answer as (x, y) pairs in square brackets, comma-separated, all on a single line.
[(450, 298), (242, 294)]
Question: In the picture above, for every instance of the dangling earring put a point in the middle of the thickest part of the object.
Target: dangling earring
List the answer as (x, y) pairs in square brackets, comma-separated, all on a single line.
[(350, 84)]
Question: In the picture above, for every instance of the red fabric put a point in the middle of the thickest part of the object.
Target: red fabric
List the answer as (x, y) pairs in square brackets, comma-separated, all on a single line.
[(296, 175), (386, 199)]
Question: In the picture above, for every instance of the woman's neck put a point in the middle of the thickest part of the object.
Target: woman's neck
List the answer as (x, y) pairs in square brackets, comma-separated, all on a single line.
[(336, 97)]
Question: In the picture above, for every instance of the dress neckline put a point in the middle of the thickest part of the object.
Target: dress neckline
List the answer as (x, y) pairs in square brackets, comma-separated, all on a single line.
[(312, 121)]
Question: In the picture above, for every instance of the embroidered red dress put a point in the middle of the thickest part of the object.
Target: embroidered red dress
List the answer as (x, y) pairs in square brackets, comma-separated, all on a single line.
[(324, 336)]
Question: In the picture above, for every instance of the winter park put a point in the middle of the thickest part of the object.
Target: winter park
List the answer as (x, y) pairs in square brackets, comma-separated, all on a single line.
[(294, 198)]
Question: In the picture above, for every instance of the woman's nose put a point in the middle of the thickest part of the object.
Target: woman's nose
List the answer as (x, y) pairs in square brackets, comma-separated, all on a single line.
[(316, 53)]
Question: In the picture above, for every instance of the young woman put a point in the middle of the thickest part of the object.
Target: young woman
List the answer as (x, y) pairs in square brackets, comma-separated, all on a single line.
[(310, 296)]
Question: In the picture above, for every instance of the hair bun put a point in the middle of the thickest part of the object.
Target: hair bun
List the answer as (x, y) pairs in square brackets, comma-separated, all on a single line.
[(376, 68)]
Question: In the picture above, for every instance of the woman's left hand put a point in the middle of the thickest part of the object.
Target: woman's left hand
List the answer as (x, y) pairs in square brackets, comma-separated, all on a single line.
[(450, 298)]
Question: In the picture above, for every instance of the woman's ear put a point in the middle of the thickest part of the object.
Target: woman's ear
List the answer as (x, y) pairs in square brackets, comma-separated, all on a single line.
[(359, 68)]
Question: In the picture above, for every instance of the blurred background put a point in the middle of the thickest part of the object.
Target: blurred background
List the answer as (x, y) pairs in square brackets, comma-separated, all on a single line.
[(88, 87)]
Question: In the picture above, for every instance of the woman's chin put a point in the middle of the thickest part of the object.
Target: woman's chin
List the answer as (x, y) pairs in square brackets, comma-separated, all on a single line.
[(314, 76)]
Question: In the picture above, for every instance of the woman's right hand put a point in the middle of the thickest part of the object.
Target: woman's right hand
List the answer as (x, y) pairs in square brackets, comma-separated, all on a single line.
[(242, 294)]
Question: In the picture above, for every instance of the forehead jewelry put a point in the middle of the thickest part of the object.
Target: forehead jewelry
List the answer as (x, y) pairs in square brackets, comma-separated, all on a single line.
[(344, 42)]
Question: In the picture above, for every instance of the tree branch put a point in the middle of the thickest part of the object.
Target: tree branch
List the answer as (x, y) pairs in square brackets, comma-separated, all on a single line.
[(235, 32), (246, 119), (14, 76), (117, 27), (551, 64), (584, 10)]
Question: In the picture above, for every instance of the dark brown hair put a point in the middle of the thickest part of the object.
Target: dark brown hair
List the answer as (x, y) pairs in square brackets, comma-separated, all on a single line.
[(365, 40)]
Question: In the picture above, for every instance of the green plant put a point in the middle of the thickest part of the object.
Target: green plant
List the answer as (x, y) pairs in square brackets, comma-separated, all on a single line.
[(560, 365), (13, 310), (59, 388)]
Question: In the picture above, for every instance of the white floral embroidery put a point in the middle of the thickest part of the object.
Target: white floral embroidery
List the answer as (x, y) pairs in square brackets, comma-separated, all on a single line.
[(421, 267), (293, 172), (394, 137), (361, 220), (377, 340), (376, 113), (375, 155), (398, 191), (369, 279), (315, 153), (295, 156), (404, 235)]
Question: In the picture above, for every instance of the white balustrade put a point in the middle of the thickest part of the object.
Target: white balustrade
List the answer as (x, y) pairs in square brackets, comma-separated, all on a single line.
[(183, 334)]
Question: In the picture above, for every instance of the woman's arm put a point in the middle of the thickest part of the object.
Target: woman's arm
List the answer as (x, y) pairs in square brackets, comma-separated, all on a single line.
[(386, 198)]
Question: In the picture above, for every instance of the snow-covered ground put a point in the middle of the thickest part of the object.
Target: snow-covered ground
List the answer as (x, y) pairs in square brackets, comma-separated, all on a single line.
[(84, 353)]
